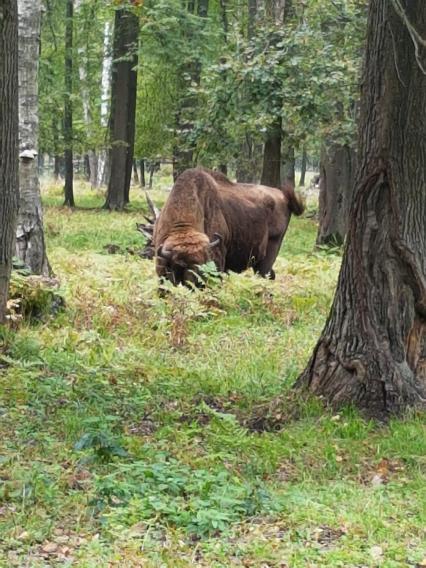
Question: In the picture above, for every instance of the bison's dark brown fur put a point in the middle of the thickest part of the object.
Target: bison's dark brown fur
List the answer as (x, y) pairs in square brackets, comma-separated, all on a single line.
[(208, 217)]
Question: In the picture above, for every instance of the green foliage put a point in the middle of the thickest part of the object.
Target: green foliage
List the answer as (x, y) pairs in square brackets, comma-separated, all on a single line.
[(305, 73), (104, 446), (166, 492)]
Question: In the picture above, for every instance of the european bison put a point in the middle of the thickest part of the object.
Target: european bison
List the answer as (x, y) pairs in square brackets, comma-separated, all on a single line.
[(208, 217)]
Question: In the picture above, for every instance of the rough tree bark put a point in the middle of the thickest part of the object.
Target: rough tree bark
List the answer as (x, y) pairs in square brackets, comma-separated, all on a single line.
[(337, 178), (372, 352), (123, 108), (9, 194), (30, 244), (68, 129), (271, 170)]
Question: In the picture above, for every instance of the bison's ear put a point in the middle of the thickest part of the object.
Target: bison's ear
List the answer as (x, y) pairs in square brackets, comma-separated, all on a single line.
[(216, 242), (164, 253)]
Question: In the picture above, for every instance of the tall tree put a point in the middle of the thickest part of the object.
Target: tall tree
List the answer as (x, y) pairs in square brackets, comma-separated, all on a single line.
[(123, 107), (249, 149), (30, 243), (91, 158), (372, 352), (278, 12), (9, 195), (103, 169), (183, 157), (68, 126)]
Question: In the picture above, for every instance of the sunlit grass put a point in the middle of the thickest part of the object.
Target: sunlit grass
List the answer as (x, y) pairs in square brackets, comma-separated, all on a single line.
[(194, 391)]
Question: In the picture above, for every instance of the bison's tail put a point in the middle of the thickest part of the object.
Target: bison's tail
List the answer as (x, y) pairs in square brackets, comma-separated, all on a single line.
[(295, 203)]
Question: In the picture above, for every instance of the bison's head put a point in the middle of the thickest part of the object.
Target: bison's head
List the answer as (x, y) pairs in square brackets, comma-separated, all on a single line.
[(180, 256)]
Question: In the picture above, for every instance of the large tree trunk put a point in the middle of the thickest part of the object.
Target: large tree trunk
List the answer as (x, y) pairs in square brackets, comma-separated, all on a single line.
[(123, 108), (337, 178), (9, 195), (68, 129), (271, 171), (30, 244), (372, 352), (103, 166)]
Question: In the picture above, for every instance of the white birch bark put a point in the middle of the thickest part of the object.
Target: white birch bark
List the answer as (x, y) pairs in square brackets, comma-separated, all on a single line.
[(30, 243), (105, 96)]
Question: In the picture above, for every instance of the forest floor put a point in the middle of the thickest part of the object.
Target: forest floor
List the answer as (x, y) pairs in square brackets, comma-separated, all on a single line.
[(164, 432)]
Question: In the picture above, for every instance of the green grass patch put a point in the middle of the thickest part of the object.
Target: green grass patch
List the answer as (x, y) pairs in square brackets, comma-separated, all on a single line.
[(146, 431)]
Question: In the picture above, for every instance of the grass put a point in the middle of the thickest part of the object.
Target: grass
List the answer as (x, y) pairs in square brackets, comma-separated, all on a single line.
[(140, 431)]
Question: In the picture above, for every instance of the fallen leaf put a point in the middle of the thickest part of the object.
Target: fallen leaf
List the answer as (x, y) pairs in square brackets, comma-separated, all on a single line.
[(50, 547)]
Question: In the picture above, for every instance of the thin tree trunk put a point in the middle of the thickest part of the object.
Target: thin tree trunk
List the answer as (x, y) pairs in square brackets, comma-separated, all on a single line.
[(103, 166), (288, 167), (123, 108), (56, 167), (303, 168), (142, 175), (337, 178), (68, 127), (372, 352), (30, 244), (135, 173), (9, 192)]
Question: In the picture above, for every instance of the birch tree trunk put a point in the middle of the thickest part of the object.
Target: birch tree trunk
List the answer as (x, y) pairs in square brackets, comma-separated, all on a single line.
[(30, 243), (68, 128), (9, 192), (103, 169), (372, 352)]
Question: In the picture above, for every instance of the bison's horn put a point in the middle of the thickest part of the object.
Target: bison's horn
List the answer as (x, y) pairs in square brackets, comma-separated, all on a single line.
[(216, 242), (167, 254)]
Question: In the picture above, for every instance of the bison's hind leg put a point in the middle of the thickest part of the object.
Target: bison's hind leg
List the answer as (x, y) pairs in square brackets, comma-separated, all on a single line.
[(264, 266)]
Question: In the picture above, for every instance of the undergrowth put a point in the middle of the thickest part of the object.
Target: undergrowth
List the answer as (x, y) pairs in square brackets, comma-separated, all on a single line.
[(138, 430)]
